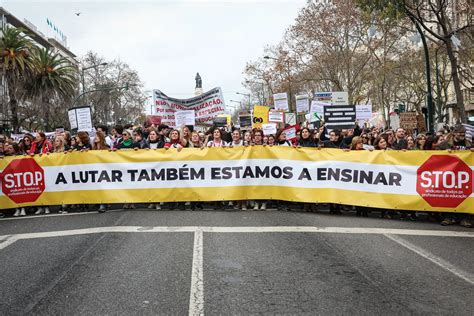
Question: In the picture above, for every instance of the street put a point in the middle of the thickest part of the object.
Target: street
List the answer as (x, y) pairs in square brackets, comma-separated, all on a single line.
[(147, 262)]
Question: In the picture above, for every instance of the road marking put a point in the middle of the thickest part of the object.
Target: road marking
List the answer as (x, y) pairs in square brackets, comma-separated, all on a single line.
[(466, 276), (260, 229), (31, 216), (196, 299), (7, 242)]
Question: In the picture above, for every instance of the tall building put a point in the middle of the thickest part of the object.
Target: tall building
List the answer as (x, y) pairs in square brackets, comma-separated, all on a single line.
[(9, 20)]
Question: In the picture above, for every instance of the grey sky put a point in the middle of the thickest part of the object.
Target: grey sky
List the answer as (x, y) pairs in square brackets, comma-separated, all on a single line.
[(167, 42)]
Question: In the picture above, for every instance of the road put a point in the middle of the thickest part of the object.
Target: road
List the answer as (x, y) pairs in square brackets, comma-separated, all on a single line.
[(232, 262)]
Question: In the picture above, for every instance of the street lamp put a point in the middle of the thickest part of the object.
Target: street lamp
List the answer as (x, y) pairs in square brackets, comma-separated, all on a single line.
[(287, 60), (247, 95)]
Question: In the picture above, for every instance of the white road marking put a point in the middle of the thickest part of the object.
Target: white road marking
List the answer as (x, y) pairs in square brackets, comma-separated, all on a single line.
[(196, 299), (31, 216), (466, 276), (260, 229), (7, 242)]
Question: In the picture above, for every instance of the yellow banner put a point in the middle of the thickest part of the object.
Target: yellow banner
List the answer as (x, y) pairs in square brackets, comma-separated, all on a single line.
[(413, 180)]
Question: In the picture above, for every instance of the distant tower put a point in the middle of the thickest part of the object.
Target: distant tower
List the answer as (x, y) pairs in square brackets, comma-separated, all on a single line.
[(198, 88)]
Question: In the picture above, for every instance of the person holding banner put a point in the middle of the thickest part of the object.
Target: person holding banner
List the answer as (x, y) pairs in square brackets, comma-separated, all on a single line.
[(281, 138), (41, 145), (306, 140), (99, 142), (126, 142), (420, 142), (174, 141), (139, 141), (217, 140), (236, 138), (257, 137), (247, 138), (83, 141), (335, 140), (271, 140), (154, 140)]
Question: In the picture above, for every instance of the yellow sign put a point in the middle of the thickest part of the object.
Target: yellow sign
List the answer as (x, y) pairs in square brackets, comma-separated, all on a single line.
[(260, 116)]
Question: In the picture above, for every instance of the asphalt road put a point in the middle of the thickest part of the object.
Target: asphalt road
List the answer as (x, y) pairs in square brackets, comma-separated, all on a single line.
[(254, 262)]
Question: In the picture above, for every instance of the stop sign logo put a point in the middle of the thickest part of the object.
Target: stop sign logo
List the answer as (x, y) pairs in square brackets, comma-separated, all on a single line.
[(444, 181), (23, 180)]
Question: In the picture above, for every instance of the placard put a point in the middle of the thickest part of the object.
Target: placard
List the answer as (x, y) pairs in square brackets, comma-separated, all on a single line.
[(280, 101), (276, 116), (72, 118), (260, 116), (153, 119), (269, 129), (220, 121), (245, 120), (183, 118), (84, 119), (339, 116), (290, 133), (408, 120), (302, 103), (290, 118), (363, 112)]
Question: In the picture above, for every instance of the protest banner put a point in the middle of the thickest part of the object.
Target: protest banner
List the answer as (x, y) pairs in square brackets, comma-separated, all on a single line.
[(436, 181), (206, 106), (302, 103), (269, 129), (408, 120), (276, 116), (183, 118), (280, 101), (259, 116)]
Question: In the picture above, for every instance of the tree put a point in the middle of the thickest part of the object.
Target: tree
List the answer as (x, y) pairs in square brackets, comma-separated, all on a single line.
[(15, 64), (438, 20), (52, 77)]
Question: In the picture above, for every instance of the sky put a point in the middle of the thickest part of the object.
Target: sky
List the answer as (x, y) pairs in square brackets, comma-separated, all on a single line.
[(166, 41)]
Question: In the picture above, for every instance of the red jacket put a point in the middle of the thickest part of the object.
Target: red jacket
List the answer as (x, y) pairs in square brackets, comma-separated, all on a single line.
[(47, 147)]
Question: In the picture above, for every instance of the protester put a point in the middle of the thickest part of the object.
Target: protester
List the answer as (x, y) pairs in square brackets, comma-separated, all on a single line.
[(217, 140), (399, 141), (83, 141), (457, 140), (99, 142), (306, 140), (420, 142), (41, 145), (126, 142), (174, 140), (281, 138), (335, 140), (154, 141)]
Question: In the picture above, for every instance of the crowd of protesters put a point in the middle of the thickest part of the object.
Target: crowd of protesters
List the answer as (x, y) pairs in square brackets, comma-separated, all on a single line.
[(162, 136)]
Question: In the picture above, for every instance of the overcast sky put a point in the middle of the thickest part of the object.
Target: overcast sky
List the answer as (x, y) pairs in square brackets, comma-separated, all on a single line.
[(167, 41)]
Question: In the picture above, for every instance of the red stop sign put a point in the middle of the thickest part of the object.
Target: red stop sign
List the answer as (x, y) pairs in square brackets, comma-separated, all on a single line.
[(444, 181), (23, 180)]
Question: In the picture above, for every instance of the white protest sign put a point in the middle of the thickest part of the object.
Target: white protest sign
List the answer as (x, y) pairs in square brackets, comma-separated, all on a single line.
[(363, 112), (269, 129), (302, 103), (290, 133), (280, 101), (318, 108), (84, 119), (186, 117), (340, 98), (72, 118), (276, 116), (290, 118)]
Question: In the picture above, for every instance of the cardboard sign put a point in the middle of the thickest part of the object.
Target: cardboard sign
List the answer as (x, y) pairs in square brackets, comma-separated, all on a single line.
[(276, 116), (408, 120), (269, 129), (260, 116), (280, 101), (290, 133)]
